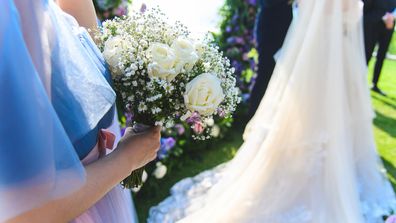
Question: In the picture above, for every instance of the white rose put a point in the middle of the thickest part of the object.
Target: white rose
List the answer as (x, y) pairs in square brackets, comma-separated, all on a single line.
[(156, 70), (183, 47), (164, 60), (204, 94), (186, 54), (163, 55), (160, 171), (113, 53)]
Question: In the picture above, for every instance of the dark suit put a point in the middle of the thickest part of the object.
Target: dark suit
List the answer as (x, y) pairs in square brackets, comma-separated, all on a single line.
[(375, 32), (273, 21)]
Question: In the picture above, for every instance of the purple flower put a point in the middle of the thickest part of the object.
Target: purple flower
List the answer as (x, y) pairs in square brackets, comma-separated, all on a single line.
[(221, 112), (245, 97), (239, 40), (391, 219), (252, 83), (234, 18), (194, 118), (252, 65), (252, 2), (143, 8), (231, 40), (235, 40), (245, 57), (228, 29), (123, 131), (120, 11), (180, 129), (238, 67), (129, 117), (166, 145), (169, 143)]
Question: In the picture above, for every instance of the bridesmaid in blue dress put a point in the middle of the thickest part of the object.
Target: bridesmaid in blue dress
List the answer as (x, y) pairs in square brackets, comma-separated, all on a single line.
[(55, 102)]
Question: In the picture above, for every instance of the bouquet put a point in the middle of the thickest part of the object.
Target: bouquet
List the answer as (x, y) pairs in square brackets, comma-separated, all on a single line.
[(163, 76)]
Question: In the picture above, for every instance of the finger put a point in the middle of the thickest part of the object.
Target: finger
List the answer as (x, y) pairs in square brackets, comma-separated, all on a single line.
[(128, 130), (156, 132), (158, 128)]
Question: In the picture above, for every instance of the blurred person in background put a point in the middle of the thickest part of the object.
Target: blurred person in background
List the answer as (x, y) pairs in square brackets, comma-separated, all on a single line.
[(273, 21), (379, 24)]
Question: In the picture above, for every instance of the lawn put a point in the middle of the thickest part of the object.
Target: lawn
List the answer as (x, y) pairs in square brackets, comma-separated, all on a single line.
[(392, 47), (385, 122), (189, 165), (206, 158)]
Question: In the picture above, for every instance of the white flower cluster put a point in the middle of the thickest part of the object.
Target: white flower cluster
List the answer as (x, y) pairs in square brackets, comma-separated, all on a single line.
[(164, 76)]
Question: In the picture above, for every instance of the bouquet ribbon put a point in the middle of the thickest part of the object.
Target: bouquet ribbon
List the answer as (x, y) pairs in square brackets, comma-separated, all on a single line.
[(106, 141)]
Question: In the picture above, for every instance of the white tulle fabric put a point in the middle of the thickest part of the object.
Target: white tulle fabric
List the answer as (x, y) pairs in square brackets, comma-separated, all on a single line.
[(309, 154)]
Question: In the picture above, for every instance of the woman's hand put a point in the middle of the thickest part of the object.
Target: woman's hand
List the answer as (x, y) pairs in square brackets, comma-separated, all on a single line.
[(133, 152), (140, 148), (389, 20)]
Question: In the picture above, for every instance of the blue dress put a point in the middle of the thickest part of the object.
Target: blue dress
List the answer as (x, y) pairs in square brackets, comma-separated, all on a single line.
[(54, 98)]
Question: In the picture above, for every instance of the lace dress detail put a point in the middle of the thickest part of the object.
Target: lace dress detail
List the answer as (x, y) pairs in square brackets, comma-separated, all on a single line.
[(190, 195), (187, 196)]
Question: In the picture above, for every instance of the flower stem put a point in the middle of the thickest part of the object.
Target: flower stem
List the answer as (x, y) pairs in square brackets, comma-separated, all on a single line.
[(134, 180)]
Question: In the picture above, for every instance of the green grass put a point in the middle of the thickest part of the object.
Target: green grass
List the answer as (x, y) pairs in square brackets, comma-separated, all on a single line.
[(392, 47), (188, 165), (202, 159), (385, 122)]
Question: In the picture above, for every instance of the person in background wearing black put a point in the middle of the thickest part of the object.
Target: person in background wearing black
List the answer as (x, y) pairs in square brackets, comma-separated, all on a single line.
[(273, 22), (379, 25)]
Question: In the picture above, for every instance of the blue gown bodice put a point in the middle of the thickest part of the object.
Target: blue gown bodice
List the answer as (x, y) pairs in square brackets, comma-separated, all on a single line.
[(95, 63)]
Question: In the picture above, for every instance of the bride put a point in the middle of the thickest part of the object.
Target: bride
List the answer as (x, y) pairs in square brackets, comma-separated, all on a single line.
[(309, 154)]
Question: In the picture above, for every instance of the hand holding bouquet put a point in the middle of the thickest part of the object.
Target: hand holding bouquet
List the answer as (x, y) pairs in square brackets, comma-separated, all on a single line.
[(163, 77)]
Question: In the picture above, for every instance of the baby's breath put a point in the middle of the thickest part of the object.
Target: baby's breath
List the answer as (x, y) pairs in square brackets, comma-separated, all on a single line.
[(127, 44)]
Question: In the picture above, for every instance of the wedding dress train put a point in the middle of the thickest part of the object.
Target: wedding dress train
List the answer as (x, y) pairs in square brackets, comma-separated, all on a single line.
[(309, 154)]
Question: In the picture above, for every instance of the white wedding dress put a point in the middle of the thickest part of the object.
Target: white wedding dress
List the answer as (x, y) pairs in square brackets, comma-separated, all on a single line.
[(309, 154)]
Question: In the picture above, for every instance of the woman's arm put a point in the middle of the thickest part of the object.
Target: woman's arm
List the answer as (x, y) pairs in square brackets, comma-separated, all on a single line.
[(83, 11), (134, 152)]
